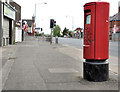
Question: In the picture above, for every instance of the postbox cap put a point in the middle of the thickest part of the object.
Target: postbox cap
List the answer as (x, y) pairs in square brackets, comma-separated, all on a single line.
[(93, 3)]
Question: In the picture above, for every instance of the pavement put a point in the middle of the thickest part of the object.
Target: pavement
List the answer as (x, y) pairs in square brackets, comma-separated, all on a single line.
[(76, 45), (36, 65)]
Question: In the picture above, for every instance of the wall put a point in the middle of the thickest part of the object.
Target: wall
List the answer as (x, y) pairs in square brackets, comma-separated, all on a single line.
[(17, 16), (18, 8)]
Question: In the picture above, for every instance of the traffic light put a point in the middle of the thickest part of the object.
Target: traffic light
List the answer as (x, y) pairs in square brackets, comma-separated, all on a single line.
[(52, 23), (41, 29)]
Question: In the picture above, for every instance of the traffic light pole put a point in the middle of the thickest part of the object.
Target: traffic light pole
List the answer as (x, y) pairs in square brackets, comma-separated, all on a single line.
[(51, 37), (52, 24)]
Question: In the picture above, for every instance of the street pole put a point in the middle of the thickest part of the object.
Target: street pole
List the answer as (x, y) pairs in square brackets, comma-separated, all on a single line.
[(51, 37), (35, 13), (35, 9), (72, 23)]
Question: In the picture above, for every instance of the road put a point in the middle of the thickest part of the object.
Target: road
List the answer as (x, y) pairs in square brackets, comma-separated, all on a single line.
[(78, 43)]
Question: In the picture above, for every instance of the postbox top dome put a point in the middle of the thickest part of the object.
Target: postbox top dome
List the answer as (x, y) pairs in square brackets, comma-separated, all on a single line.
[(93, 3)]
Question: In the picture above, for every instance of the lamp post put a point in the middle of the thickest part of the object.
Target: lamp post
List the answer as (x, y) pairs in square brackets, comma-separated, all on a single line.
[(72, 24), (72, 21), (34, 18), (35, 9)]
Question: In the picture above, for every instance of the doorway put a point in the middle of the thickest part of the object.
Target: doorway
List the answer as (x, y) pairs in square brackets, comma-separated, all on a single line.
[(10, 31)]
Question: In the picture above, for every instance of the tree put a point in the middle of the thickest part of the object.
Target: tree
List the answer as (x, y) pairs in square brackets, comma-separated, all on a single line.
[(65, 31), (56, 31)]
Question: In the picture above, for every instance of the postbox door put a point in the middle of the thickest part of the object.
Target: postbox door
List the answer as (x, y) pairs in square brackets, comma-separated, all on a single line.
[(89, 27)]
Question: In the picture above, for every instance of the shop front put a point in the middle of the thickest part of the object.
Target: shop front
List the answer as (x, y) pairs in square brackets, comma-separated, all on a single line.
[(8, 24)]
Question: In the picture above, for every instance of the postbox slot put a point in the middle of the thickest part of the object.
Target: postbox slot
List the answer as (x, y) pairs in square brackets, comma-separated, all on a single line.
[(87, 11)]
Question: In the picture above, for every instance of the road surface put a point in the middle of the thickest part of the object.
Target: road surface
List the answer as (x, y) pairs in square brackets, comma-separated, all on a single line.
[(78, 43)]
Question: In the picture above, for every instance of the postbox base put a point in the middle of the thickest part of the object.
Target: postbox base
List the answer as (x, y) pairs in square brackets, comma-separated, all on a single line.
[(96, 72)]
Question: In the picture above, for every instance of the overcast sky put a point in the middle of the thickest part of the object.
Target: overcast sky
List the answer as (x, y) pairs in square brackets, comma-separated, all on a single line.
[(65, 12)]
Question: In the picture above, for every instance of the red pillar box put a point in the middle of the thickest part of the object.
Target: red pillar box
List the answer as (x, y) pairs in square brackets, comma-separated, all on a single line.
[(96, 41)]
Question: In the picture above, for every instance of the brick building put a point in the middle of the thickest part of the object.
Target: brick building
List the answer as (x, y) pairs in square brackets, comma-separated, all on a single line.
[(115, 20)]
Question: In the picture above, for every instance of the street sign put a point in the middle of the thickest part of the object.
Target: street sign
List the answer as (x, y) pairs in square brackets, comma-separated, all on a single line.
[(37, 28)]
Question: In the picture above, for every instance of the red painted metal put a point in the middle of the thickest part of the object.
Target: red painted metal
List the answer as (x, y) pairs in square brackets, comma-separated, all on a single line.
[(96, 33)]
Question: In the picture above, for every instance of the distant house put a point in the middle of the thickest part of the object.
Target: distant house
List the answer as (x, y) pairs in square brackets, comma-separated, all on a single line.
[(114, 31), (115, 20), (78, 33)]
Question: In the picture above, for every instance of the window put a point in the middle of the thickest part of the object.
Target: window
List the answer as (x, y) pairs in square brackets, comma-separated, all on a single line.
[(88, 19)]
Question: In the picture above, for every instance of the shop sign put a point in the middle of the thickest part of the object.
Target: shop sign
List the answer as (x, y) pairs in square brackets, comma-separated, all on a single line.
[(9, 12)]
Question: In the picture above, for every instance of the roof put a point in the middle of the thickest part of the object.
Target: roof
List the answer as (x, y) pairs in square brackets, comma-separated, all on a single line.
[(79, 28), (115, 17)]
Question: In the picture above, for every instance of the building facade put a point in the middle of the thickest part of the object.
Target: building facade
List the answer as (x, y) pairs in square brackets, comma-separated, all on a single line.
[(17, 23), (8, 24), (8, 17)]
